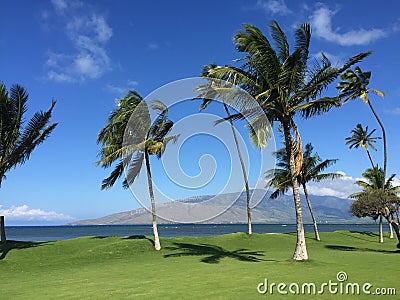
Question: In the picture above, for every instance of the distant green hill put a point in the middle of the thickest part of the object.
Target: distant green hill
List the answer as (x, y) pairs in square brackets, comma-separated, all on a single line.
[(327, 209)]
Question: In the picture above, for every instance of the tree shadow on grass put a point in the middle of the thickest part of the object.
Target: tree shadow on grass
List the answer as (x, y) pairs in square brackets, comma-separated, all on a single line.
[(213, 253), (370, 234), (11, 245), (348, 248), (139, 237), (132, 237)]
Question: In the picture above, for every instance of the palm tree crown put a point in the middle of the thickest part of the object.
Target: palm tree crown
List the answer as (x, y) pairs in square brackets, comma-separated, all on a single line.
[(16, 140), (360, 137)]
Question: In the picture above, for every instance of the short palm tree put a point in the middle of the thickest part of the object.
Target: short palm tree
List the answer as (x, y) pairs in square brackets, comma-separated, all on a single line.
[(313, 165), (377, 196), (285, 86), (360, 137), (19, 138), (128, 138), (363, 138)]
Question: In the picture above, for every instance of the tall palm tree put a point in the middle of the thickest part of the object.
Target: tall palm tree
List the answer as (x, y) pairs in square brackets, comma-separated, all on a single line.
[(360, 137), (285, 86), (376, 189), (311, 170), (129, 138), (19, 138), (223, 90), (355, 85)]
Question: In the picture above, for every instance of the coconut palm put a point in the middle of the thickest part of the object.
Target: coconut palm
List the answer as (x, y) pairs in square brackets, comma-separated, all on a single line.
[(311, 170), (285, 86), (19, 138), (355, 85), (213, 90), (128, 138), (360, 137), (378, 198)]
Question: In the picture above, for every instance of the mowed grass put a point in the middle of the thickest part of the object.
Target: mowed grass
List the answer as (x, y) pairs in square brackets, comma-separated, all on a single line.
[(216, 267)]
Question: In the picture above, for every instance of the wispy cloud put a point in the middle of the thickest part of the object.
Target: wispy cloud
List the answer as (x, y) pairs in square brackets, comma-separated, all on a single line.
[(274, 6), (121, 90), (59, 5), (152, 46), (25, 213), (394, 111), (321, 21), (88, 33)]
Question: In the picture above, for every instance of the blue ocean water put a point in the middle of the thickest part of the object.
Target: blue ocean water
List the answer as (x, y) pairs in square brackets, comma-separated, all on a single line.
[(51, 233)]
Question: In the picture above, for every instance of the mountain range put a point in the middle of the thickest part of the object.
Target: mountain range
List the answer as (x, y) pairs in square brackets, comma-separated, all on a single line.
[(231, 208)]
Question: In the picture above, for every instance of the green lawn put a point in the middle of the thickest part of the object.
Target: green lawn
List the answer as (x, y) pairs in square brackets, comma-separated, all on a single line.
[(218, 267)]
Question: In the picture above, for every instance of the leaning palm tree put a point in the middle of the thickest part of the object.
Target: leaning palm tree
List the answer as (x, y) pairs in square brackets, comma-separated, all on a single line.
[(129, 139), (375, 185), (311, 170), (19, 138), (213, 90), (360, 137), (354, 85), (285, 86)]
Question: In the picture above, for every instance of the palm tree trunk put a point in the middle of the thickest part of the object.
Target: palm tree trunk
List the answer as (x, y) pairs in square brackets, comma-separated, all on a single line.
[(380, 229), (311, 212), (391, 231), (300, 252), (370, 159), (246, 182), (395, 227), (2, 230), (384, 140), (153, 204)]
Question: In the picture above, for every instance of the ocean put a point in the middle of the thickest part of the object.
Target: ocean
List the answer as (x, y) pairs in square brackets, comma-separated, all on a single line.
[(51, 233)]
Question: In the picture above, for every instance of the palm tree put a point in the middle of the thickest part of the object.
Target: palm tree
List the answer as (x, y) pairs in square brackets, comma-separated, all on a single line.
[(311, 170), (19, 138), (285, 86), (129, 139), (378, 198), (354, 85), (362, 138), (222, 89)]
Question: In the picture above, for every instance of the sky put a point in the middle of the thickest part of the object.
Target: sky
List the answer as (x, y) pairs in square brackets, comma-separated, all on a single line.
[(87, 54)]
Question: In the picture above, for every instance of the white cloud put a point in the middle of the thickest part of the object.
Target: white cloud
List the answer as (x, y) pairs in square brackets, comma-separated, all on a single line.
[(321, 21), (25, 213), (274, 6), (340, 187), (89, 34)]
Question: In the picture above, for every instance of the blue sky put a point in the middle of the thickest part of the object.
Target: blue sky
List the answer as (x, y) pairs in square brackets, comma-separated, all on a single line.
[(86, 54)]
